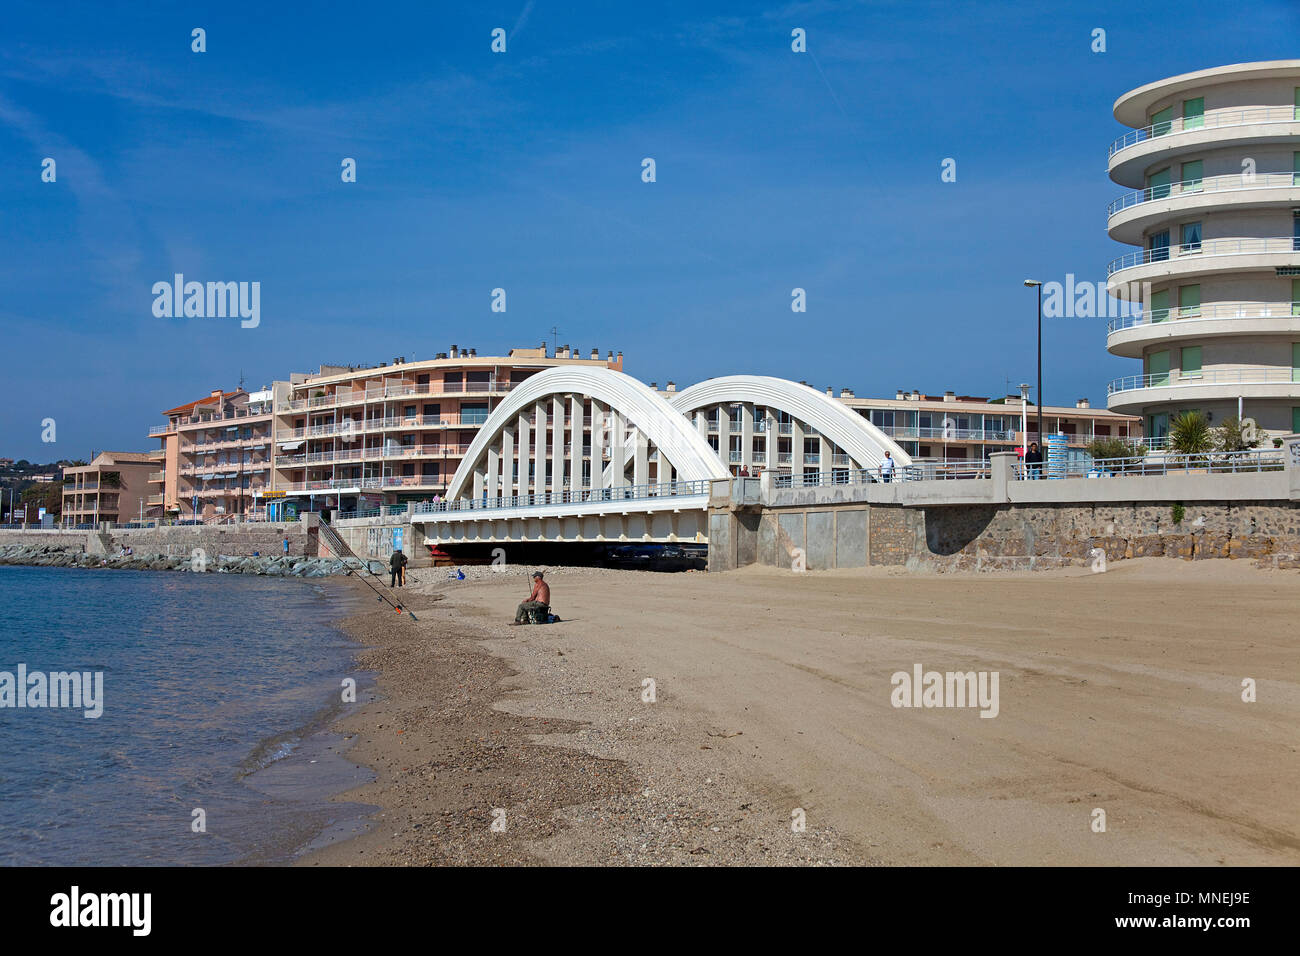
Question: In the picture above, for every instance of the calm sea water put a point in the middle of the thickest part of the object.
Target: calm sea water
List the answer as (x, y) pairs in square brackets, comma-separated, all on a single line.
[(207, 678)]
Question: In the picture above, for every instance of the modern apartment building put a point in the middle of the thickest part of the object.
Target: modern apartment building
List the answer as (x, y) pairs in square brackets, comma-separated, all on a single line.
[(215, 455), (955, 426), (113, 487), (1213, 160), (353, 437)]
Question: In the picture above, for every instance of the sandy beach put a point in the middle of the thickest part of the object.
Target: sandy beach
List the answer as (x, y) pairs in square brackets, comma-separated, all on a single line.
[(1119, 692)]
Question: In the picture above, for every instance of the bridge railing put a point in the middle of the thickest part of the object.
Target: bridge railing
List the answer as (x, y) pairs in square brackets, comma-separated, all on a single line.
[(576, 496)]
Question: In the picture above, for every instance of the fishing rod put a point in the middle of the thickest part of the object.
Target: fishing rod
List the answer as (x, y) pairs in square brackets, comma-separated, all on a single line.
[(396, 605), (341, 548)]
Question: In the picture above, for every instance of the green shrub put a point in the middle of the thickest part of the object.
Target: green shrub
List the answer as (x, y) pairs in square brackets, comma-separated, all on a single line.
[(1178, 512), (1114, 448)]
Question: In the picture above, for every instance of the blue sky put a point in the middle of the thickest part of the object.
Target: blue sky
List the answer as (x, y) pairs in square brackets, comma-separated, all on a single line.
[(522, 170)]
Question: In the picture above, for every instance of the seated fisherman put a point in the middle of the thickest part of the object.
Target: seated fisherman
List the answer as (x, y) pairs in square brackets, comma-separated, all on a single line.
[(538, 600)]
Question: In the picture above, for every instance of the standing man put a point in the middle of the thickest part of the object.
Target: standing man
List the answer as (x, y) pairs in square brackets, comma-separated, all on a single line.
[(397, 569), (538, 600), (286, 545), (1033, 460), (887, 468)]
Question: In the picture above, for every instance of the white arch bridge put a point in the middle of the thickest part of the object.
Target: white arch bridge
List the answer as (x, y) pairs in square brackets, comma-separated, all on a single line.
[(591, 454)]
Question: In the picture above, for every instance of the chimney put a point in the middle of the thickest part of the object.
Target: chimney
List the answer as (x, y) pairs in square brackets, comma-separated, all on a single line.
[(950, 396), (655, 386), (610, 357), (846, 393), (1082, 403), (916, 396), (830, 392), (620, 356), (900, 395), (455, 352), (441, 355), (672, 387), (595, 355), (474, 353), (544, 346)]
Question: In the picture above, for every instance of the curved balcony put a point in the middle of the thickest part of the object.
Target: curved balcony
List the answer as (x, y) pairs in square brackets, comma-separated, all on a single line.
[(1154, 388), (1129, 155), (1127, 335), (1129, 216), (1203, 258)]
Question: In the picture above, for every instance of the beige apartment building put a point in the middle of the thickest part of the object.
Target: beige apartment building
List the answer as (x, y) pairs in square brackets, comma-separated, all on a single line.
[(1213, 160), (214, 459), (357, 437), (113, 487), (952, 426)]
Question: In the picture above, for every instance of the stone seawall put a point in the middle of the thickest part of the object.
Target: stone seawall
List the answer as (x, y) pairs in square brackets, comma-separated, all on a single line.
[(979, 537), (242, 540)]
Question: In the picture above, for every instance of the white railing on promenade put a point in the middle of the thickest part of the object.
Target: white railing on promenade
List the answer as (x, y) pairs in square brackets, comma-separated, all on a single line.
[(1169, 463), (579, 496)]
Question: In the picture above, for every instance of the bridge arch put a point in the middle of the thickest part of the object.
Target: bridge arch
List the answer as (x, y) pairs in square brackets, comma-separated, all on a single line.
[(564, 428), (777, 408)]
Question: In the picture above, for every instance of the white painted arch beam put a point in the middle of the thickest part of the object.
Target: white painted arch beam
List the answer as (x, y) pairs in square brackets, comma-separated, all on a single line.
[(862, 441), (675, 437)]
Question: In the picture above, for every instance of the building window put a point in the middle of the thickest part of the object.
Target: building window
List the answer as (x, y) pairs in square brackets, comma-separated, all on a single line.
[(1189, 301), (1158, 305), (1190, 238), (1194, 113), (1159, 246), (1157, 368), (1190, 361), (1191, 173), (1162, 121), (1158, 184), (1158, 425)]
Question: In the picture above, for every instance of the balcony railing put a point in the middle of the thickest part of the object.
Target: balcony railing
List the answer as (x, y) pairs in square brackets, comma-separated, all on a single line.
[(1226, 310), (1208, 248), (1179, 379), (393, 391), (1215, 119), (1234, 182)]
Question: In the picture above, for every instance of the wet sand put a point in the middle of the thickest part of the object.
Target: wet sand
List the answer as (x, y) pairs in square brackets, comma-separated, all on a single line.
[(1118, 691)]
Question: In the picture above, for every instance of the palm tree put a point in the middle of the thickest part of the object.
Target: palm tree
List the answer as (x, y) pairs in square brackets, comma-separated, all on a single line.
[(1190, 434)]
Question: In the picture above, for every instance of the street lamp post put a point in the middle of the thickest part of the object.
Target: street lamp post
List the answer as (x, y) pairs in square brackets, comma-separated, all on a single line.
[(1039, 286), (1024, 423)]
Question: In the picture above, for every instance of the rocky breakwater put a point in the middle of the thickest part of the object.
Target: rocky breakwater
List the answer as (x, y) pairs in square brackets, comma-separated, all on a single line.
[(280, 566)]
